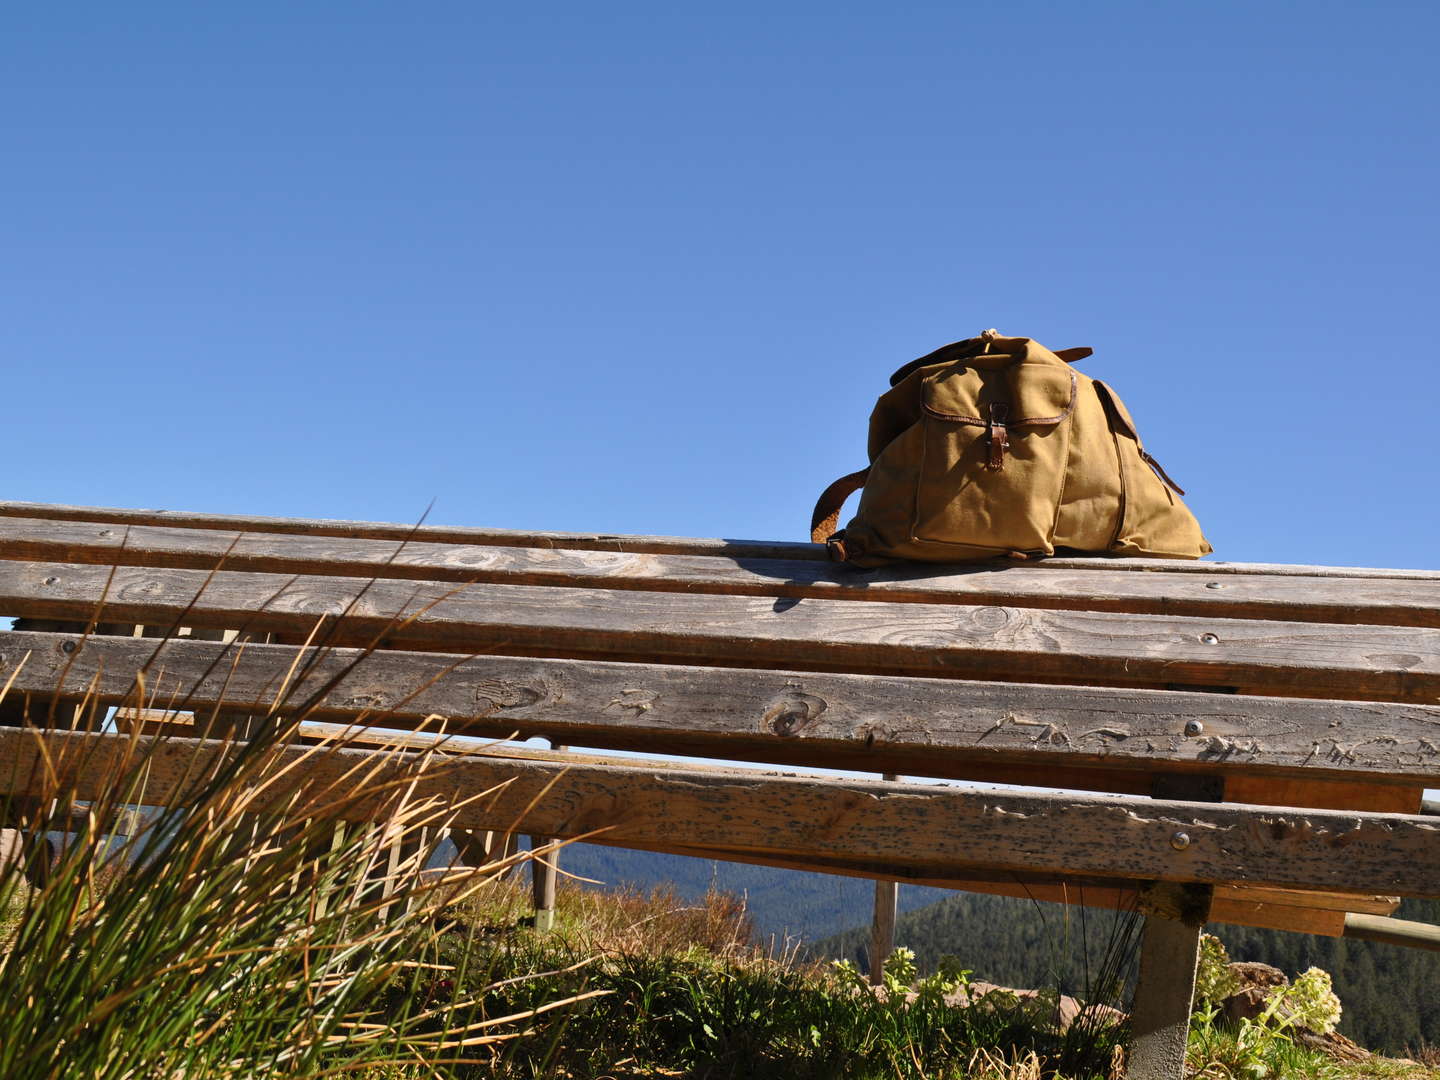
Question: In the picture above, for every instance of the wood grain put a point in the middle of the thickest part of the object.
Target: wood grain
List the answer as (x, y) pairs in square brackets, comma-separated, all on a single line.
[(760, 549), (1278, 909), (1232, 596), (904, 825), (1233, 908), (378, 530), (1310, 659), (1084, 737)]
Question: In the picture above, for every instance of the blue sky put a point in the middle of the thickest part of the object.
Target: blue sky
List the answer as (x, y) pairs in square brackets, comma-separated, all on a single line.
[(644, 267)]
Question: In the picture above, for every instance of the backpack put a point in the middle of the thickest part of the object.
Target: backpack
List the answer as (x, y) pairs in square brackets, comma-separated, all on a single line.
[(997, 446)]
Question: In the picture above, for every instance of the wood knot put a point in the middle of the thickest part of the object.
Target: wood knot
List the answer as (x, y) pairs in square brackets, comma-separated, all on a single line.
[(792, 712), (498, 695)]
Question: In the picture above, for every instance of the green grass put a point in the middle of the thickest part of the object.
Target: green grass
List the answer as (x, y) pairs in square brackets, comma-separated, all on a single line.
[(685, 993)]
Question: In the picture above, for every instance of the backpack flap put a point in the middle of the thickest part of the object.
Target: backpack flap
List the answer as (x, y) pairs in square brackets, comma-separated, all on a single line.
[(994, 448)]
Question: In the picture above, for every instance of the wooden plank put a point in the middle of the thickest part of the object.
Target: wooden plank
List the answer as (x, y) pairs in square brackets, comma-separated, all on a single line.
[(1262, 791), (1084, 737), (447, 534), (1368, 903), (1296, 920), (908, 825), (1308, 659), (1252, 596), (1329, 794), (1233, 908), (1310, 912), (760, 549)]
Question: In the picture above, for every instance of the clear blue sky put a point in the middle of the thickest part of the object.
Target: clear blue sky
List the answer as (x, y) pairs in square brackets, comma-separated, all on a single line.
[(644, 267)]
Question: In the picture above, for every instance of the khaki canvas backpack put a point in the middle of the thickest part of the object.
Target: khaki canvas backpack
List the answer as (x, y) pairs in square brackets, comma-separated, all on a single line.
[(997, 446)]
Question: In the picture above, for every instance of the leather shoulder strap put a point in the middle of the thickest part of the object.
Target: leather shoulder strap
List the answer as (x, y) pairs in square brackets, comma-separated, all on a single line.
[(826, 517)]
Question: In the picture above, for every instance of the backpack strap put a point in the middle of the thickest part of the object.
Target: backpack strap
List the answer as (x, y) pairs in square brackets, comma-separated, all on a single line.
[(826, 517), (1120, 417)]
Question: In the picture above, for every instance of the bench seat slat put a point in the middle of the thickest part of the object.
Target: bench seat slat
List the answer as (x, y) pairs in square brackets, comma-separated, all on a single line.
[(912, 826), (1301, 659), (759, 549), (447, 534), (1090, 587), (1058, 736)]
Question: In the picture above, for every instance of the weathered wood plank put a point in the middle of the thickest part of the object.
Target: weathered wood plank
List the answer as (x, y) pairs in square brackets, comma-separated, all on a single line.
[(1250, 596), (1084, 737), (1308, 659), (447, 534), (1235, 908), (1282, 909), (908, 824), (1330, 794), (1307, 912), (759, 549)]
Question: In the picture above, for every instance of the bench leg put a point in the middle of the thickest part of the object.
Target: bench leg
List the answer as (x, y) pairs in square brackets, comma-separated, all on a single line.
[(1169, 952), (882, 926), (542, 884), (1165, 989)]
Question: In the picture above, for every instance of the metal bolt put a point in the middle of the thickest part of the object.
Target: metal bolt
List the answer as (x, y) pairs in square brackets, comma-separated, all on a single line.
[(1210, 639), (67, 646), (1194, 727), (1214, 585), (1180, 841)]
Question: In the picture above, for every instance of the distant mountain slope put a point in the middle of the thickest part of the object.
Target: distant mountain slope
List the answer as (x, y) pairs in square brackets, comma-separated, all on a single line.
[(1391, 995)]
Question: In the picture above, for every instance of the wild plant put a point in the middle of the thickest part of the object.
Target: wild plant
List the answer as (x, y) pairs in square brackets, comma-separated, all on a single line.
[(252, 908)]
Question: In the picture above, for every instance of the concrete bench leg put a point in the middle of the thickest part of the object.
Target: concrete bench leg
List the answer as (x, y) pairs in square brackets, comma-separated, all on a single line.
[(1169, 950)]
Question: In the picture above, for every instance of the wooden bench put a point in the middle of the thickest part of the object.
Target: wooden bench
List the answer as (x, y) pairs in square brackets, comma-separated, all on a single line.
[(1236, 743)]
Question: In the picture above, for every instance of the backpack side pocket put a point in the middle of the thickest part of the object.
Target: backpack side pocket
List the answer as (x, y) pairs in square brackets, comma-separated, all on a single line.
[(1153, 520)]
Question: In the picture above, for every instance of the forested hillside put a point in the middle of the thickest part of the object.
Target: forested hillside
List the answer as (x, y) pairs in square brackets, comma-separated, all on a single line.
[(1391, 995)]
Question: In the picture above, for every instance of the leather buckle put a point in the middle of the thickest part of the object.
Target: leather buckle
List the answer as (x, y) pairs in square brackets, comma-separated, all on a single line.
[(999, 438)]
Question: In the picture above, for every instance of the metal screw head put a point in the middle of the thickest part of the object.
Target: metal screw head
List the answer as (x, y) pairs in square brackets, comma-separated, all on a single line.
[(1213, 585), (1180, 841), (67, 646), (52, 581), (1194, 727), (1210, 639)]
